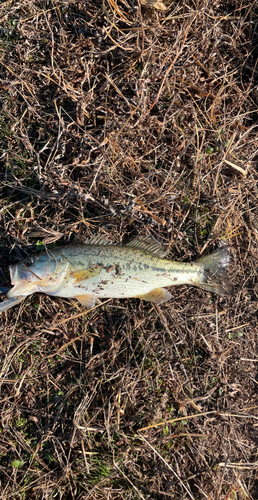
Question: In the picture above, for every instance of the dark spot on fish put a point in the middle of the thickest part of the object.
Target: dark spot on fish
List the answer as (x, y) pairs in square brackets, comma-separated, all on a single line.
[(104, 282), (175, 279), (118, 270), (134, 268), (146, 266)]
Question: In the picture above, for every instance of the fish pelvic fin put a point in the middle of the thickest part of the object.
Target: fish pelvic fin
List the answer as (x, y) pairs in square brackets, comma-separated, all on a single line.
[(158, 296), (215, 272), (88, 300)]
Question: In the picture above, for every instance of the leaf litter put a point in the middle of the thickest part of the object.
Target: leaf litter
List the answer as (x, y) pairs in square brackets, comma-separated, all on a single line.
[(124, 121)]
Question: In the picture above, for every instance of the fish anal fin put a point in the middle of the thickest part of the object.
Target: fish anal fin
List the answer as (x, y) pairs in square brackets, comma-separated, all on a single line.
[(158, 296), (85, 274), (148, 244), (88, 300)]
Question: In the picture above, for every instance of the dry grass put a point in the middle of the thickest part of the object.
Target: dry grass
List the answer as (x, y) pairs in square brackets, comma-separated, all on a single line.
[(124, 120)]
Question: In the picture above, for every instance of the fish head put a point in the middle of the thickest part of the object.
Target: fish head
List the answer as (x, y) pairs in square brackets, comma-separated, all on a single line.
[(39, 273)]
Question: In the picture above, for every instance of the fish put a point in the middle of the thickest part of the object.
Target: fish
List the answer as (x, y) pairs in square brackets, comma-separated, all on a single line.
[(100, 269)]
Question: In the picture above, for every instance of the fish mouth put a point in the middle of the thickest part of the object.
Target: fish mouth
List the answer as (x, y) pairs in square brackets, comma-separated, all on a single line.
[(20, 282)]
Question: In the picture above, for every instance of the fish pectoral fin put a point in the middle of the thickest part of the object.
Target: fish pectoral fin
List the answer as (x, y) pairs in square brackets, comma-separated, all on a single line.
[(84, 274), (88, 300), (158, 296)]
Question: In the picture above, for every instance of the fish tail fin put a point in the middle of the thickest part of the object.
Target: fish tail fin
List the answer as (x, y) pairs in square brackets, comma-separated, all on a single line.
[(215, 277)]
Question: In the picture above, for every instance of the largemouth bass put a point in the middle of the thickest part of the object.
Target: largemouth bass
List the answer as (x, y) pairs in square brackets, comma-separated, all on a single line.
[(99, 269)]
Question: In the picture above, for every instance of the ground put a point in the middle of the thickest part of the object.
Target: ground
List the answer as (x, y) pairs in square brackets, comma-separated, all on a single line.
[(124, 118)]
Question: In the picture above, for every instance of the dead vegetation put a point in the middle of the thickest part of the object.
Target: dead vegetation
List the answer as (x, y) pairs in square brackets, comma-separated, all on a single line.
[(127, 118)]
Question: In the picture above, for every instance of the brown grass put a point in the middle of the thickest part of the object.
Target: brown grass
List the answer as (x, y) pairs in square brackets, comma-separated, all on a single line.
[(124, 120)]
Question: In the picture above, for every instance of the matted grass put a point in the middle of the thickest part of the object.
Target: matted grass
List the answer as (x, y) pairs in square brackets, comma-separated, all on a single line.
[(123, 120)]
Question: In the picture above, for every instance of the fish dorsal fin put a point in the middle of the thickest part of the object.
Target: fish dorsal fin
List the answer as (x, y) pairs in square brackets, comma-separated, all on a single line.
[(147, 244), (98, 239)]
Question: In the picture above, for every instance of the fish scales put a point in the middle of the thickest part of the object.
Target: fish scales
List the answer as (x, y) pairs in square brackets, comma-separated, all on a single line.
[(99, 269), (124, 272)]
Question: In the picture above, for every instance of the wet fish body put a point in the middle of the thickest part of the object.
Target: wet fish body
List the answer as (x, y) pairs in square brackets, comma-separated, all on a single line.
[(99, 269)]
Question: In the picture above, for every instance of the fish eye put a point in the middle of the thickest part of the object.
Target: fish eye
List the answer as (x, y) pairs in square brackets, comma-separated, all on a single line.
[(28, 262)]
